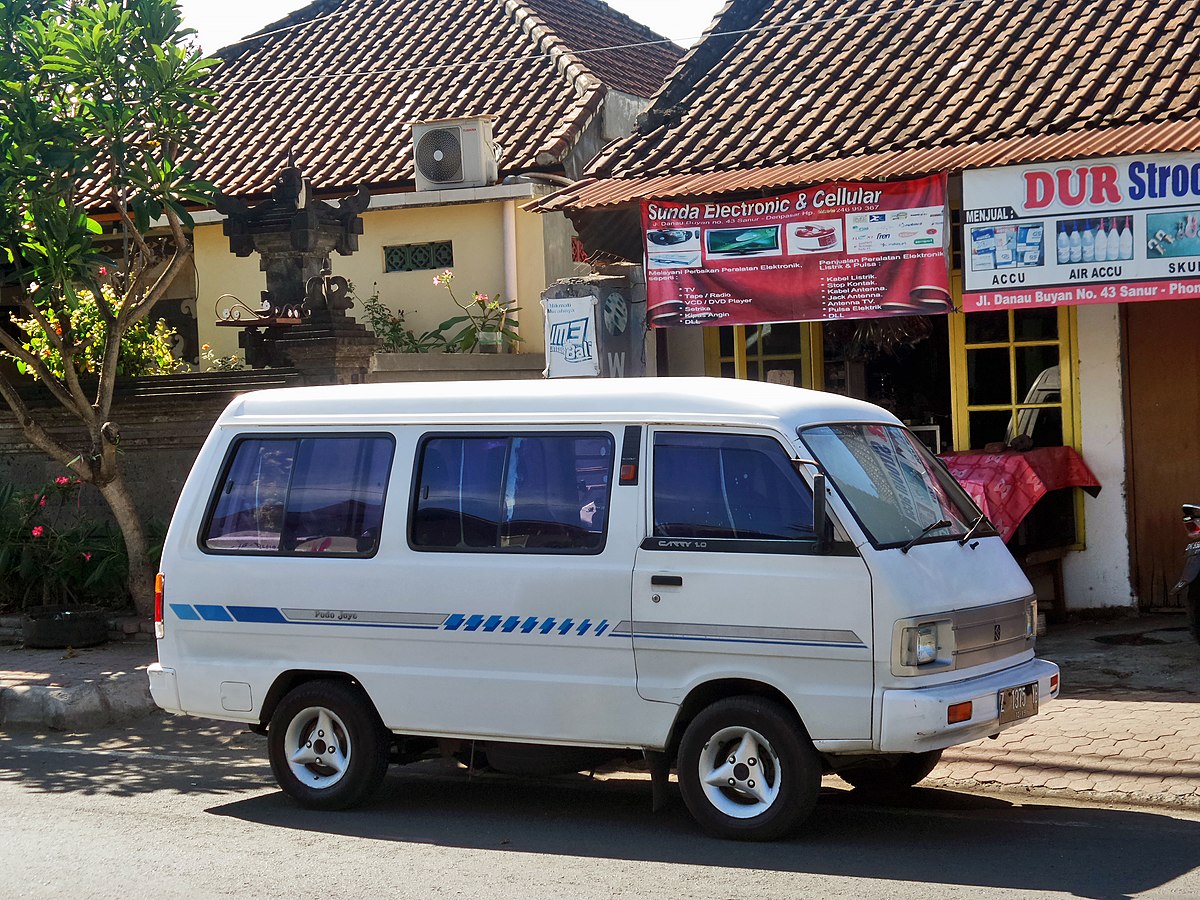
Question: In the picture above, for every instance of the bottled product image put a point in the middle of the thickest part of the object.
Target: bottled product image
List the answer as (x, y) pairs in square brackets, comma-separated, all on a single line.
[(1076, 243), (1101, 242), (1064, 246), (1126, 239), (1087, 243)]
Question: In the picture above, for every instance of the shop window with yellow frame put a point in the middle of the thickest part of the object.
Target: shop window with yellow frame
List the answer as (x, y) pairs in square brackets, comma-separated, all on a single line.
[(1014, 384), (779, 352), (1011, 373)]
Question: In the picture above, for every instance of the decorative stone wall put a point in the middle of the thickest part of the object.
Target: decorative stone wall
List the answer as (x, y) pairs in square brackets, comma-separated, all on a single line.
[(392, 367), (163, 421)]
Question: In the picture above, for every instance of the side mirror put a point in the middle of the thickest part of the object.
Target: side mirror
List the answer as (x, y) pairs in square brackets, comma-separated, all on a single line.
[(819, 502)]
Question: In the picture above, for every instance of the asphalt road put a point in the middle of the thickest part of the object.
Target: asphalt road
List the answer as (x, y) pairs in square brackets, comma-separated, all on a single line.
[(192, 811)]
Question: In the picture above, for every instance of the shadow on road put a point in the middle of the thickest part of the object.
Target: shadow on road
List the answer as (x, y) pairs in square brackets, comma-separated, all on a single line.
[(923, 836), (174, 756)]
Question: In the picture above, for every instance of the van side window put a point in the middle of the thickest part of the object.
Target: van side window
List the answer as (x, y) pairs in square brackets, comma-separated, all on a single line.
[(522, 493), (302, 496), (728, 486)]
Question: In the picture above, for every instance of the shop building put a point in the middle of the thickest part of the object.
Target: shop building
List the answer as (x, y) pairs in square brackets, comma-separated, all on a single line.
[(1043, 122)]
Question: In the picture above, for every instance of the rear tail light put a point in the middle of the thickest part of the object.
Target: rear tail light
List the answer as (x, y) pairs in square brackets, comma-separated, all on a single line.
[(1192, 526), (159, 627)]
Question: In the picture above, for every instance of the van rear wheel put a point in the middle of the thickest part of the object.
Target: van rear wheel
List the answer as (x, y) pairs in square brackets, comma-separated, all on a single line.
[(892, 774), (327, 747), (747, 770)]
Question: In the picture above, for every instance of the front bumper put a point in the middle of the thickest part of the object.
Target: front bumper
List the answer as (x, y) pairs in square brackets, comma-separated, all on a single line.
[(914, 719), (164, 688)]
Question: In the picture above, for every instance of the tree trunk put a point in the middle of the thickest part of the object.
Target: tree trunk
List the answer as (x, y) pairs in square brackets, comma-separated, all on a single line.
[(141, 571)]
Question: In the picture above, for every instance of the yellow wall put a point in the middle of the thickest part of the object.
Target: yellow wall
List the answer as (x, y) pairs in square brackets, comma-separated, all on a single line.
[(476, 229)]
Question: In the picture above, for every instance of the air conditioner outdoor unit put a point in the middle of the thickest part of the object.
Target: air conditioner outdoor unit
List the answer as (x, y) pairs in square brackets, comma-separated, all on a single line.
[(454, 153)]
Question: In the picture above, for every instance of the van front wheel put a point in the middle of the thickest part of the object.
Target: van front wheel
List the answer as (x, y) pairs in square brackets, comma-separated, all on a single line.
[(747, 771), (327, 747)]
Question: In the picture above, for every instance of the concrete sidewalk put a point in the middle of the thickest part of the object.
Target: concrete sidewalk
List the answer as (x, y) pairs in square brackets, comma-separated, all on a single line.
[(75, 690), (1126, 729)]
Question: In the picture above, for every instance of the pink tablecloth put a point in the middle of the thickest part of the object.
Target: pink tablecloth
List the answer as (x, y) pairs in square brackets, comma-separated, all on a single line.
[(1007, 485)]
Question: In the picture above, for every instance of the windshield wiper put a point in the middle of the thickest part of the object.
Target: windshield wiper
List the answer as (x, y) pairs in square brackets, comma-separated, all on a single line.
[(940, 523), (971, 531)]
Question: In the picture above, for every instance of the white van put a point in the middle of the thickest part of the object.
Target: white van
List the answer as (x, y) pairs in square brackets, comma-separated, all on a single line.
[(751, 583)]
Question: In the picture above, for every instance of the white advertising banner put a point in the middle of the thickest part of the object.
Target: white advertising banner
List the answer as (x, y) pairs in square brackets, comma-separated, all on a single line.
[(1088, 231), (571, 337)]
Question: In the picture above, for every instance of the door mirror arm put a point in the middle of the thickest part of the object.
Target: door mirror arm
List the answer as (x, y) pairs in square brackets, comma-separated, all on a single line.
[(820, 518)]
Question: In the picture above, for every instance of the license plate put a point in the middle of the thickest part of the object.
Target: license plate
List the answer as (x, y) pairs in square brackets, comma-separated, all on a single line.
[(1019, 702)]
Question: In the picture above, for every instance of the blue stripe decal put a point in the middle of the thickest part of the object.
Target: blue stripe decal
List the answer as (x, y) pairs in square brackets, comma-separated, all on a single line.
[(266, 614), (492, 623), (583, 627), (600, 629), (185, 612), (721, 640), (548, 625), (473, 623), (212, 613), (511, 623), (365, 625), (454, 622), (530, 624)]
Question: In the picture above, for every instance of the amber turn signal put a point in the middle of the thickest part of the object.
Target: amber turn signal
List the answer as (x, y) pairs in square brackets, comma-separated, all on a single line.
[(959, 712)]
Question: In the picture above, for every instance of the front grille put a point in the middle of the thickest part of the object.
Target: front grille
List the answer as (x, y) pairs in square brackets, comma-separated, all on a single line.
[(990, 633)]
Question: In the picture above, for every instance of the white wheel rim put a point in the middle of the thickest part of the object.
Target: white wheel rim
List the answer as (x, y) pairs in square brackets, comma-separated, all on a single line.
[(739, 772), (318, 748)]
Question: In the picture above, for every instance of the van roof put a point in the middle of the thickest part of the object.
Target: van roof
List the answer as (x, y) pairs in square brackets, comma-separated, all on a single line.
[(552, 401)]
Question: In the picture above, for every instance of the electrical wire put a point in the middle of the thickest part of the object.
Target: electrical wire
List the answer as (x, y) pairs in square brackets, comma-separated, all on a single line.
[(905, 10)]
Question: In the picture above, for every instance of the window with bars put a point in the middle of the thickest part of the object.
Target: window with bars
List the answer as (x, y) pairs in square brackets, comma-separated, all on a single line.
[(418, 257)]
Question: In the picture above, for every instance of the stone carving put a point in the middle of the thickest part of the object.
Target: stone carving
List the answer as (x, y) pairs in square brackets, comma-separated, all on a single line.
[(302, 319)]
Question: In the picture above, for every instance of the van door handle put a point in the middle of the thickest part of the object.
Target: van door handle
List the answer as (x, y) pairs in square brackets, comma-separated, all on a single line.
[(667, 580)]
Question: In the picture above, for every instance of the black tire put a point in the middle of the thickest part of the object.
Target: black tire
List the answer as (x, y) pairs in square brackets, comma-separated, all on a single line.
[(892, 774), (749, 736), (327, 747)]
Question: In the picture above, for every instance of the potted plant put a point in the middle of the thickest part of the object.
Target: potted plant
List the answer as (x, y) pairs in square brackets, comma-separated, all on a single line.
[(53, 564), (489, 324)]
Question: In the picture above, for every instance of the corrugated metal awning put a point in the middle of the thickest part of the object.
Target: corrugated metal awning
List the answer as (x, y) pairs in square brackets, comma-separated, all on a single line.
[(1156, 137)]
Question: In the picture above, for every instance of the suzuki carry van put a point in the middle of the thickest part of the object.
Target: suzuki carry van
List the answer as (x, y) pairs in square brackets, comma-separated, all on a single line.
[(748, 584)]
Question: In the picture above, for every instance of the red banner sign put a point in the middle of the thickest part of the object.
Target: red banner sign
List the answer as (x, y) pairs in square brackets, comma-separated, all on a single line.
[(832, 251)]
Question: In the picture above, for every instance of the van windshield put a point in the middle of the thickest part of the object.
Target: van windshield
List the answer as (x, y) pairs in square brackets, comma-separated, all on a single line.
[(892, 483)]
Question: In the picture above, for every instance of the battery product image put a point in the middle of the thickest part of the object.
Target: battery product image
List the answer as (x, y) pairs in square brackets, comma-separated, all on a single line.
[(1007, 246)]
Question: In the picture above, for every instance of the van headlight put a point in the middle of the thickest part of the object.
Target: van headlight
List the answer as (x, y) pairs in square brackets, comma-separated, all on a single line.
[(920, 645)]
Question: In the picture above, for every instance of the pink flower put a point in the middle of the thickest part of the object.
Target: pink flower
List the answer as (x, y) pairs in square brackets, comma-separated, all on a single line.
[(87, 557), (103, 271), (37, 531), (62, 480), (41, 501)]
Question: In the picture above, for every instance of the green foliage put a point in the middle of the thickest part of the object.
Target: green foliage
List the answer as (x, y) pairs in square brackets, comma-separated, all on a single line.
[(213, 363), (146, 349), (484, 315), (50, 555), (91, 92), (98, 105), (392, 334)]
